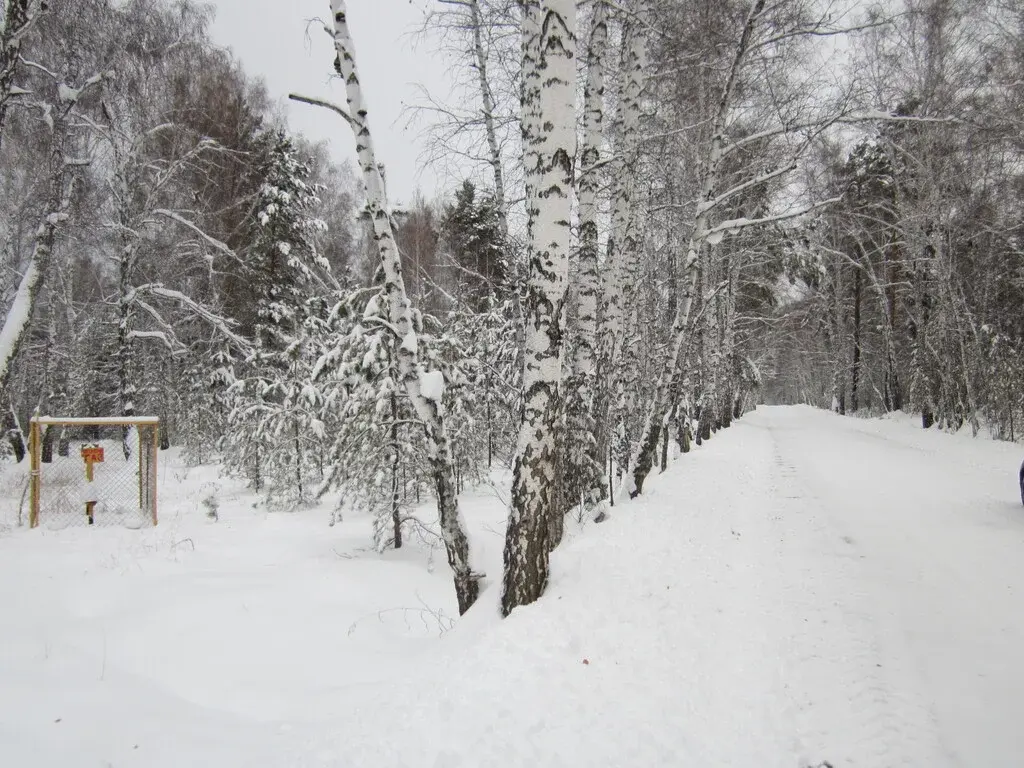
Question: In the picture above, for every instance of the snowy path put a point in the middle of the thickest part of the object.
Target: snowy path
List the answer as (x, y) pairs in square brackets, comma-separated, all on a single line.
[(918, 538), (802, 588)]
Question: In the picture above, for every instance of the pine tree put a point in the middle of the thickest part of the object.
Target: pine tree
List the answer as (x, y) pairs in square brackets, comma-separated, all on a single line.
[(472, 230), (275, 432)]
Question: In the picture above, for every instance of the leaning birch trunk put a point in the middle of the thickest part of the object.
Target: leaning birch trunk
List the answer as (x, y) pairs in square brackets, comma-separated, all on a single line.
[(549, 48), (644, 454), (584, 466), (411, 373), (19, 317)]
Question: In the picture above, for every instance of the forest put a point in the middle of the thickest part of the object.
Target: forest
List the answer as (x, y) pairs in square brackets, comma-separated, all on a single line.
[(672, 211)]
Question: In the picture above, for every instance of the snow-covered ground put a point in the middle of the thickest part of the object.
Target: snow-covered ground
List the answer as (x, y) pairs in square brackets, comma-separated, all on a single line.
[(804, 587)]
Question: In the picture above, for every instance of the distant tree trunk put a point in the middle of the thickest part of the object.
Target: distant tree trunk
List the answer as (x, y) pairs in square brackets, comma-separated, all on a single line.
[(855, 366), (396, 509), (430, 412), (835, 339), (921, 388), (701, 226), (549, 133), (46, 449), (46, 384), (664, 444), (487, 97), (13, 431), (125, 380), (893, 388)]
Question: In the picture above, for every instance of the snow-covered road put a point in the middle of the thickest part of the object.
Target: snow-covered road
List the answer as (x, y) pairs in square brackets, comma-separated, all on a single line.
[(903, 554)]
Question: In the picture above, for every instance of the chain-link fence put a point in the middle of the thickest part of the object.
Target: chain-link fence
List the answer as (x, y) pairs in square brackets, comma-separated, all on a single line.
[(93, 472)]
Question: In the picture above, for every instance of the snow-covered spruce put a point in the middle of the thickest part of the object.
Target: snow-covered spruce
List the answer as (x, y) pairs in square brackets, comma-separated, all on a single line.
[(276, 430)]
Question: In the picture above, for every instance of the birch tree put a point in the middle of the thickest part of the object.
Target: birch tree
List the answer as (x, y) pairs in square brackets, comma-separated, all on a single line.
[(583, 469), (549, 137), (56, 115), (419, 384), (744, 150), (479, 35)]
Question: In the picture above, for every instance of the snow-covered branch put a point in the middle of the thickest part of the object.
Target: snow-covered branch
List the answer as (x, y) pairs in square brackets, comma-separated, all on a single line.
[(715, 234), (217, 321), (325, 104), (207, 238)]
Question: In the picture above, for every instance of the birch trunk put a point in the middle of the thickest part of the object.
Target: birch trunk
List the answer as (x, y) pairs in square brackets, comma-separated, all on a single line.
[(19, 316), (530, 106), (487, 97), (921, 387), (643, 459), (430, 412), (549, 50), (584, 467), (837, 334), (125, 379), (623, 251), (729, 378)]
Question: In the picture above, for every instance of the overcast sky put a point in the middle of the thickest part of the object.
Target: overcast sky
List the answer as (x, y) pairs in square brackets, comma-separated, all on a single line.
[(271, 39)]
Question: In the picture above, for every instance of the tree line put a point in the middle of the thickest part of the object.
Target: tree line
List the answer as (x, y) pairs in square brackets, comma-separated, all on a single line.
[(674, 211)]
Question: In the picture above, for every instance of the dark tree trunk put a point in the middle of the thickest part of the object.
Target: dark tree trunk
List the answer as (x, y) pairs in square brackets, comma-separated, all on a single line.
[(855, 368), (46, 448), (396, 508), (14, 434), (467, 583), (646, 459), (664, 448), (685, 438)]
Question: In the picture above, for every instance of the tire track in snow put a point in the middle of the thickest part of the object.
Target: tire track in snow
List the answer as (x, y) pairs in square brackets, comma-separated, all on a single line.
[(849, 707)]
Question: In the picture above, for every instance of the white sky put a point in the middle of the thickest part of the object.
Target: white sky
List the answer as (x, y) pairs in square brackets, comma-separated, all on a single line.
[(270, 38)]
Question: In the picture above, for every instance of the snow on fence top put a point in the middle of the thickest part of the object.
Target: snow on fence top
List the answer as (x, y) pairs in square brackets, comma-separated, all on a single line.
[(115, 421)]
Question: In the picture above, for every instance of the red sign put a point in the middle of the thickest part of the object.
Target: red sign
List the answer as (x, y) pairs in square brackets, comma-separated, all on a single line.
[(92, 454)]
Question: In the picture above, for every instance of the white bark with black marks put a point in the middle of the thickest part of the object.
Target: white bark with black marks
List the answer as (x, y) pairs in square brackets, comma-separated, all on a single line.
[(411, 371), (584, 468), (549, 77), (618, 364)]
